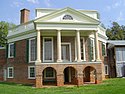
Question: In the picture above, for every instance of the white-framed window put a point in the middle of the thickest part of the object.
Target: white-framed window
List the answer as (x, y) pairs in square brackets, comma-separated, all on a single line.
[(11, 50), (31, 72), (83, 56), (47, 49), (106, 70), (32, 50), (103, 49), (10, 72), (49, 73), (91, 49)]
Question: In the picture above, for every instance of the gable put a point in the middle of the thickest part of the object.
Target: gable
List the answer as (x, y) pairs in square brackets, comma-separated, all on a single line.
[(67, 15)]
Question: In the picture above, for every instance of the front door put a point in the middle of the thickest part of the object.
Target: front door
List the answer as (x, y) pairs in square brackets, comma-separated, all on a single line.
[(66, 52)]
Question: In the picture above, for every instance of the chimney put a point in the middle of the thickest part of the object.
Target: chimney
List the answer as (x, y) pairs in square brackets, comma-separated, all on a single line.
[(24, 15)]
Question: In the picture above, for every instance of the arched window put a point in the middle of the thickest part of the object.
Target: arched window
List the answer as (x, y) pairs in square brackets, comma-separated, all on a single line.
[(67, 17)]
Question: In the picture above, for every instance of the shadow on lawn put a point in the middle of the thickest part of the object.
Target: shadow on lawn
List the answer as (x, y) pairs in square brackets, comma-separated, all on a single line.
[(15, 84)]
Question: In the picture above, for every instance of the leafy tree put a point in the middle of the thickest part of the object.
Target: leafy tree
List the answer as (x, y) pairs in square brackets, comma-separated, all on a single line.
[(116, 32), (4, 26)]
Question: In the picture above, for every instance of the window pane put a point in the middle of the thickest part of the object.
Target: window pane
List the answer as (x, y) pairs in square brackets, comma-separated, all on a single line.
[(48, 49), (49, 72), (82, 51), (10, 72), (33, 50), (106, 69), (11, 50), (32, 72)]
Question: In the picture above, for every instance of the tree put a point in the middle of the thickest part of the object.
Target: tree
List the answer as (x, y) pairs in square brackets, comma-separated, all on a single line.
[(116, 32), (4, 26)]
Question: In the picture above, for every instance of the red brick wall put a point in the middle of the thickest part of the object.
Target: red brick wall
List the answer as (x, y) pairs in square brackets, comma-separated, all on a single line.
[(2, 62), (20, 64)]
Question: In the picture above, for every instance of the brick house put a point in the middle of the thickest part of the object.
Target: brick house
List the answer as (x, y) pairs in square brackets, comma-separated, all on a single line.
[(2, 62), (116, 58), (58, 47)]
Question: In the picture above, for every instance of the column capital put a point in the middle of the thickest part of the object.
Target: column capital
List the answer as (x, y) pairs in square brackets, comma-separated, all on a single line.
[(59, 29), (77, 29)]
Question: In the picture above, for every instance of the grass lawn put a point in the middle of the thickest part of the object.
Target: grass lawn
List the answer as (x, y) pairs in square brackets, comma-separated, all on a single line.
[(111, 86)]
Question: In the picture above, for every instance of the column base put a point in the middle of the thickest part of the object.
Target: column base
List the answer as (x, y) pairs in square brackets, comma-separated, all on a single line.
[(37, 62), (98, 60), (79, 60), (59, 60)]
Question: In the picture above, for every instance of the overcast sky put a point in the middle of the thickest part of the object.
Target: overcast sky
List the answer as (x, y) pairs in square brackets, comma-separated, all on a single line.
[(110, 10)]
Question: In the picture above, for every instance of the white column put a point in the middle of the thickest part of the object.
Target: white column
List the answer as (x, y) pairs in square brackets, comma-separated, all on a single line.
[(84, 49), (59, 46), (96, 46), (75, 50), (38, 59), (78, 46)]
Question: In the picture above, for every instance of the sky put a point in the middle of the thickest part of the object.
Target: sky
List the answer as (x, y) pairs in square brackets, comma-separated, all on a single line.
[(109, 10)]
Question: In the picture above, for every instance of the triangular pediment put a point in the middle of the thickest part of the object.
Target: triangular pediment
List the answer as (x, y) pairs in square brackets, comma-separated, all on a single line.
[(67, 15)]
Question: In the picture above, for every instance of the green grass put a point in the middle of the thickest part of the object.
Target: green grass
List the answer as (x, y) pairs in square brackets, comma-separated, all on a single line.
[(111, 86)]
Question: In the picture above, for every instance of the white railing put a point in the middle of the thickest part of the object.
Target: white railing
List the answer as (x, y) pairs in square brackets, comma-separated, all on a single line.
[(21, 28)]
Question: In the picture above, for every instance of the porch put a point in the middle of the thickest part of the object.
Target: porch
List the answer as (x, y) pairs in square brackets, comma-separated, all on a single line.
[(61, 74), (67, 46)]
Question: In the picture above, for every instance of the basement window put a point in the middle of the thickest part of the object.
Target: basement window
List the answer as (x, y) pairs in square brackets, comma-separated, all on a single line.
[(31, 72), (10, 72)]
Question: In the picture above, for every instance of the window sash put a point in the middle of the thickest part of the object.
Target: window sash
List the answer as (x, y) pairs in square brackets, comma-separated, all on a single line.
[(106, 69), (31, 72), (11, 50), (32, 50), (103, 49), (10, 72), (49, 73), (48, 49)]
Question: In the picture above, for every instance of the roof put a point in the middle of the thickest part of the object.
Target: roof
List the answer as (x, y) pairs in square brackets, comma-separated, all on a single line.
[(113, 43)]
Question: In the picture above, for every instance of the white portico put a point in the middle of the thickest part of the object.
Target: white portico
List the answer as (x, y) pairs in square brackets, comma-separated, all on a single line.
[(68, 22)]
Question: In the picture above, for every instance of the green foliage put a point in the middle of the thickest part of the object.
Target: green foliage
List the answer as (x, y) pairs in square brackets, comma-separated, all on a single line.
[(4, 26), (116, 32), (110, 86)]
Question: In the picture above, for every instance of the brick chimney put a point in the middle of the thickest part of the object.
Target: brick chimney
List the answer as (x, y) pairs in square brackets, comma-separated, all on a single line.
[(24, 16)]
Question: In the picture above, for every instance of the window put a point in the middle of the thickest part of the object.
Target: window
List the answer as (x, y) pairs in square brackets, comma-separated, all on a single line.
[(10, 72), (120, 53), (82, 49), (49, 73), (31, 72), (47, 49), (103, 49), (106, 69), (91, 49), (32, 50), (11, 50), (67, 17)]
